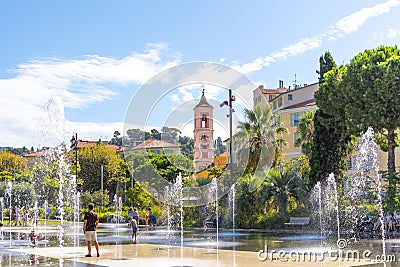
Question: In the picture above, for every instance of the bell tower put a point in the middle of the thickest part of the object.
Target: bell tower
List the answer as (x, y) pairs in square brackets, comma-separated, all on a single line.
[(203, 134)]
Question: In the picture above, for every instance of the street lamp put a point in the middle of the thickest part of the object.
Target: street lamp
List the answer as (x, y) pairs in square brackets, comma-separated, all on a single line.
[(231, 110), (74, 146)]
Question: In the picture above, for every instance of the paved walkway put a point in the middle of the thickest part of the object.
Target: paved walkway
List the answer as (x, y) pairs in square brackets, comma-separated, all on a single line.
[(160, 255)]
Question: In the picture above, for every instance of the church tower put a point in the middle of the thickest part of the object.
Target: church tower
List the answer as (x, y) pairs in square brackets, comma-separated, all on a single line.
[(203, 134)]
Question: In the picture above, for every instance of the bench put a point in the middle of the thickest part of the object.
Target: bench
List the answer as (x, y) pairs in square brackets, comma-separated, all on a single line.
[(298, 221)]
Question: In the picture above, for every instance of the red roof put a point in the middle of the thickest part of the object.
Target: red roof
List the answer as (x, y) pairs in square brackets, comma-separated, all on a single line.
[(83, 144), (302, 104), (41, 153), (273, 91), (154, 143)]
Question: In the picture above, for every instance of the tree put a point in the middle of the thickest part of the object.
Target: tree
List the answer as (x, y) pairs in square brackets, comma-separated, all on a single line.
[(283, 184), (248, 206), (22, 194), (155, 134), (135, 137), (169, 166), (306, 130), (170, 135), (331, 140), (45, 180), (98, 198), (219, 146), (187, 145), (306, 140), (371, 88), (114, 168), (256, 138), (117, 139), (138, 196), (11, 164), (326, 63), (215, 171), (280, 143)]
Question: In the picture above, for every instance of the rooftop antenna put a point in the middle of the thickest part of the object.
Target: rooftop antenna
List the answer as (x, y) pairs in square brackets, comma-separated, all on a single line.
[(295, 82)]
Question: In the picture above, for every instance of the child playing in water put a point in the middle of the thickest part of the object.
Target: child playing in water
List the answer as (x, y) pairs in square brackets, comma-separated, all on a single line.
[(33, 237), (134, 228)]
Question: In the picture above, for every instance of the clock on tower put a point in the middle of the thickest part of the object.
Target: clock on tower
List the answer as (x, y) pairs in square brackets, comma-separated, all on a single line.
[(204, 139)]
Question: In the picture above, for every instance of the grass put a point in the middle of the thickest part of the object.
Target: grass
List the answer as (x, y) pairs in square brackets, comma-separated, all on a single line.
[(48, 222)]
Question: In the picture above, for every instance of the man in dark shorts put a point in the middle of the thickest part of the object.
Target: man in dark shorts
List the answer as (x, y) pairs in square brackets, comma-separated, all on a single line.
[(90, 224)]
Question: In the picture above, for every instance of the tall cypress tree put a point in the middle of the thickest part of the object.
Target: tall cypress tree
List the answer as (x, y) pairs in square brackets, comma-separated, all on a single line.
[(330, 140)]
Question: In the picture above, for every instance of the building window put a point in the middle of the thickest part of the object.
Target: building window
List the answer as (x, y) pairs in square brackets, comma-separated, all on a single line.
[(295, 118), (167, 151), (156, 151), (203, 121), (296, 136), (270, 97), (279, 102), (289, 97)]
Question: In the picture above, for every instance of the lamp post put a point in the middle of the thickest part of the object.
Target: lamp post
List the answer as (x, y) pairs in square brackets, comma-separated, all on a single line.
[(102, 177), (74, 146), (228, 103)]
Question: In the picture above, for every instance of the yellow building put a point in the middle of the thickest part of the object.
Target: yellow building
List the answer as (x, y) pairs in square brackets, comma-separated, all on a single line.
[(218, 162), (290, 104)]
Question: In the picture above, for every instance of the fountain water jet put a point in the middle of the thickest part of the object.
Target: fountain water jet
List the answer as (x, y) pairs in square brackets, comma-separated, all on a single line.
[(356, 191), (8, 193), (332, 183), (231, 199), (173, 197), (214, 190), (367, 161)]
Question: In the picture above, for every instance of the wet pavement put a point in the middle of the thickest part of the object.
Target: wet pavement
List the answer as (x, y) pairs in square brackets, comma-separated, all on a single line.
[(200, 248), (156, 255)]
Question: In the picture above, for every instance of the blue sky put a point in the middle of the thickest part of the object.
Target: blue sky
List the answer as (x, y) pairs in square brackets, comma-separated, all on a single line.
[(74, 66)]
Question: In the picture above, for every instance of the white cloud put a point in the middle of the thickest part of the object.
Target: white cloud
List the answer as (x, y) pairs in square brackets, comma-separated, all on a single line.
[(298, 48), (186, 93), (193, 91), (175, 98), (75, 83), (354, 21), (340, 29)]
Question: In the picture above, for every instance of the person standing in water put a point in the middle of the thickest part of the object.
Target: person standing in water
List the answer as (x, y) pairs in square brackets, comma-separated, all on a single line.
[(134, 228), (90, 224)]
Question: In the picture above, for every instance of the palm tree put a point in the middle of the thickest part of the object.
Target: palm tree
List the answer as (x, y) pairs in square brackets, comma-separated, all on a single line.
[(257, 143), (280, 143), (283, 184), (256, 140), (306, 130)]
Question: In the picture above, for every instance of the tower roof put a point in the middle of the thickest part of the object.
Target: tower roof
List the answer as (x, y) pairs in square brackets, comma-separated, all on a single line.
[(203, 101)]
